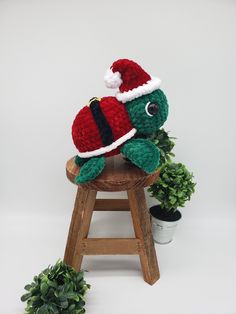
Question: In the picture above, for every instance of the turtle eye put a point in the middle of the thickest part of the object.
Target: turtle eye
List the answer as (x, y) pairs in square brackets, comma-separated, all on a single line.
[(151, 108)]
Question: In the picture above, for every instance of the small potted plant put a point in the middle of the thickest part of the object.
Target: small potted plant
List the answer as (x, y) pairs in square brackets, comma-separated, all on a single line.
[(57, 289), (172, 189)]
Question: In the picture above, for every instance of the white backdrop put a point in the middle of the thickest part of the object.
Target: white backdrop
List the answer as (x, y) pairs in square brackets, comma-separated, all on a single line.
[(53, 55)]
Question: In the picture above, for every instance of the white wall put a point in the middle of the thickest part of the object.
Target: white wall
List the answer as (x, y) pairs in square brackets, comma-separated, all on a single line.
[(53, 55), (52, 59)]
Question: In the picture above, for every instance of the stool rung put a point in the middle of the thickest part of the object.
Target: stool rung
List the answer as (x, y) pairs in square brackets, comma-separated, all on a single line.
[(106, 246), (111, 204)]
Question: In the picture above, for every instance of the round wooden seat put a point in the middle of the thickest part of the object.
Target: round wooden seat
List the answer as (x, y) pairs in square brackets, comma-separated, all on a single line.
[(118, 175)]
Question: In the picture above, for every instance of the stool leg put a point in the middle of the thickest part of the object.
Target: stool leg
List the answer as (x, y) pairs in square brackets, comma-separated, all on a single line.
[(142, 229), (79, 226)]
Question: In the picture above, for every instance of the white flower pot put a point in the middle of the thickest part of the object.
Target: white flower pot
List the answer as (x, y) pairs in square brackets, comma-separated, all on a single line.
[(163, 230)]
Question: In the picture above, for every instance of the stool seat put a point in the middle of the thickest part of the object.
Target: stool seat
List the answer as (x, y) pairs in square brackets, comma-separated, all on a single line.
[(118, 175)]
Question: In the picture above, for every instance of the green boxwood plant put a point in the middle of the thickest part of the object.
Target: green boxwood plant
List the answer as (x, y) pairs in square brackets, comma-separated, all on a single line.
[(174, 187), (165, 143), (57, 289)]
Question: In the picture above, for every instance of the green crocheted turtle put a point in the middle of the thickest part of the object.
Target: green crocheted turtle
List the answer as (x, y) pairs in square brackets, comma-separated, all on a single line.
[(113, 125)]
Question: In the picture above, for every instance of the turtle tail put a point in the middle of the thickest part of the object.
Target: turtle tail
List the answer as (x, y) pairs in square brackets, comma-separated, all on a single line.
[(90, 170)]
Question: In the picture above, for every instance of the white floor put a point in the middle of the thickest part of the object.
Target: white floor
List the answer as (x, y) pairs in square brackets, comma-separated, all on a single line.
[(198, 273)]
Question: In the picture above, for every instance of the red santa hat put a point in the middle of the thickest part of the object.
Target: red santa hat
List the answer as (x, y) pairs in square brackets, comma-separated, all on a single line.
[(131, 79)]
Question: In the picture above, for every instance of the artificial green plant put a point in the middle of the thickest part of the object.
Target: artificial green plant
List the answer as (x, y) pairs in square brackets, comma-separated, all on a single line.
[(57, 289), (174, 186)]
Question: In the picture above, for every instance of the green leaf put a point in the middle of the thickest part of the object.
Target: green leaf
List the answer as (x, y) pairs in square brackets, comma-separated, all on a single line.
[(43, 309), (81, 303), (77, 298), (35, 298), (53, 309), (173, 200), (64, 304), (44, 288), (71, 295), (28, 287), (25, 297), (71, 307)]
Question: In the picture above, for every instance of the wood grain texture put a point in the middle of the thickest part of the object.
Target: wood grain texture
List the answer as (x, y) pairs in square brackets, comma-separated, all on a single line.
[(118, 175), (107, 246), (79, 227), (142, 229), (111, 204)]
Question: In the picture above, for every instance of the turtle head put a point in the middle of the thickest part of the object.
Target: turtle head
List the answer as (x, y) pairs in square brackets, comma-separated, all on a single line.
[(148, 112)]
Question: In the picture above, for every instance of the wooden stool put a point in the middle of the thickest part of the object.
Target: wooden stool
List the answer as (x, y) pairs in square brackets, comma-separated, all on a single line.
[(118, 175)]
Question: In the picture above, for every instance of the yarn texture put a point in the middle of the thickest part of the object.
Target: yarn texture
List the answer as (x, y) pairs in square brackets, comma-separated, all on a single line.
[(131, 79), (148, 159), (143, 122), (80, 161), (112, 125), (112, 80), (92, 132), (90, 170)]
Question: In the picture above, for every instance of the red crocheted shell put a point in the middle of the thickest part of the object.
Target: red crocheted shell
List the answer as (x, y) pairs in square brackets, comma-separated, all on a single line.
[(86, 134)]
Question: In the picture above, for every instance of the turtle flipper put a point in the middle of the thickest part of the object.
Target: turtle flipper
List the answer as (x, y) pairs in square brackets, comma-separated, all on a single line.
[(143, 153), (90, 170), (80, 161)]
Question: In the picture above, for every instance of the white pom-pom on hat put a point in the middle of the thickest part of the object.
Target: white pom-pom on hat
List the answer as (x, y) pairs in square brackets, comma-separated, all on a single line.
[(112, 79)]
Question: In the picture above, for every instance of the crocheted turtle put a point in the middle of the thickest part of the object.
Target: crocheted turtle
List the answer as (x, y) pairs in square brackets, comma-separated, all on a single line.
[(111, 125)]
